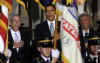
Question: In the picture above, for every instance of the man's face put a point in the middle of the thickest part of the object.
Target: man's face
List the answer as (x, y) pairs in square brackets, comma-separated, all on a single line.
[(85, 22), (16, 22), (94, 49), (50, 13), (45, 51)]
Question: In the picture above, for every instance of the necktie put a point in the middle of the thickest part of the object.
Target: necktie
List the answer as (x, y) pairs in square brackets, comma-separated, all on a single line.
[(16, 40), (16, 37), (51, 29)]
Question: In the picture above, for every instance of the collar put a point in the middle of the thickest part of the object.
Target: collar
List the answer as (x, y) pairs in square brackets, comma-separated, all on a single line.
[(86, 31), (45, 59), (93, 56), (14, 31), (51, 21)]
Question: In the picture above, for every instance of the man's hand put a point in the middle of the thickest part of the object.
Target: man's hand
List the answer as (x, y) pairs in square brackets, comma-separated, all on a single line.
[(54, 60), (56, 37), (21, 43), (18, 44), (55, 55)]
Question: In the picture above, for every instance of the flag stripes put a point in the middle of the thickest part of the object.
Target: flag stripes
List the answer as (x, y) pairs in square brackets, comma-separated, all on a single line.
[(70, 29), (4, 24), (6, 5)]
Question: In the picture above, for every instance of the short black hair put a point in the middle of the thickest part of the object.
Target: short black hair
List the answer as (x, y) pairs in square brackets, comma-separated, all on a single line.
[(49, 5)]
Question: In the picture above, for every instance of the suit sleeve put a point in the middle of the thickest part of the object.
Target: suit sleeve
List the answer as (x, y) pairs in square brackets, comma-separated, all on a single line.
[(10, 41)]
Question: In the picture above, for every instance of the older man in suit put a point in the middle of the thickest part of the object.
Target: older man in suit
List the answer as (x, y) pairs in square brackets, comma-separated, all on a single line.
[(85, 31), (16, 40)]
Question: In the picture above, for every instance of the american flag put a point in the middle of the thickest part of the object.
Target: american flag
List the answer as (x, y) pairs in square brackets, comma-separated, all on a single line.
[(6, 7)]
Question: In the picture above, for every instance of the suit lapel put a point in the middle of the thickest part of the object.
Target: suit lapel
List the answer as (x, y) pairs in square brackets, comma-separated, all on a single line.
[(21, 34), (10, 37), (47, 28), (42, 60)]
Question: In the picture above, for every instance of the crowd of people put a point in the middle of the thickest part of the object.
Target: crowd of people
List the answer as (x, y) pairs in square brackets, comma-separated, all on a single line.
[(41, 50)]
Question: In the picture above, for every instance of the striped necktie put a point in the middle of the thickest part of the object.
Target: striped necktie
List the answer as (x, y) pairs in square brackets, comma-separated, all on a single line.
[(52, 29)]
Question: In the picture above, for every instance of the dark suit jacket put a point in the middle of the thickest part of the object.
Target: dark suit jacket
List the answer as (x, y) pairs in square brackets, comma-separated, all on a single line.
[(42, 31), (91, 33), (24, 53), (83, 39), (16, 56)]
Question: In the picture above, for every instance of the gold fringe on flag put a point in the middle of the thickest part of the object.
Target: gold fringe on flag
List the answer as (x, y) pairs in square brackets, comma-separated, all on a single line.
[(3, 25), (41, 6), (69, 1), (7, 3), (54, 2), (23, 4), (64, 59)]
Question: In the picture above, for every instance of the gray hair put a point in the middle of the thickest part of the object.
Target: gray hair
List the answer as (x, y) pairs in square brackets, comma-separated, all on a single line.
[(86, 14)]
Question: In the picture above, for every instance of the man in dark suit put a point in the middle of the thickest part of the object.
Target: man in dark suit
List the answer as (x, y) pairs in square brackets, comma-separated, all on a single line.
[(93, 53), (47, 28), (45, 48), (85, 31), (16, 41)]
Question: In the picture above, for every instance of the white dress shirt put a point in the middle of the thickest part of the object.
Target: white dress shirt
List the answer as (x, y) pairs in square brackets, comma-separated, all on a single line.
[(16, 38), (92, 57), (85, 32), (45, 59), (49, 22)]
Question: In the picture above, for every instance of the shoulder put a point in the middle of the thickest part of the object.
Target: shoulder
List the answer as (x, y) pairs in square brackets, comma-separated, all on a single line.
[(42, 24)]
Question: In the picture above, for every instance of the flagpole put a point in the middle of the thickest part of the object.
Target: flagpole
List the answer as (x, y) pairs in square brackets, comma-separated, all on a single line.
[(56, 32)]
